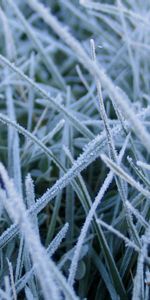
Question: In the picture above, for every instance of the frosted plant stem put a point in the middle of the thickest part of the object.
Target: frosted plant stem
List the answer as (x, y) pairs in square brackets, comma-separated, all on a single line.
[(89, 155), (38, 46), (112, 151), (74, 262), (136, 213), (143, 165), (60, 108), (13, 138), (47, 272), (120, 172), (84, 230), (96, 70), (51, 249), (12, 280), (113, 9), (139, 280), (92, 151), (119, 235)]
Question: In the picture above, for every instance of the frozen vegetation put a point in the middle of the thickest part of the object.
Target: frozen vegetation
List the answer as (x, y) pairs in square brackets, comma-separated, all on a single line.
[(74, 149)]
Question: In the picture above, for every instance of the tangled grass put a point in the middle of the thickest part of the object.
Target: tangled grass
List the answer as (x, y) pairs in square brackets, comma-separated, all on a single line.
[(75, 145)]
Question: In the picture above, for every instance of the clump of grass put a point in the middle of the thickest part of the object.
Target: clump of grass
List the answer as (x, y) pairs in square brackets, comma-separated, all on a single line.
[(75, 145)]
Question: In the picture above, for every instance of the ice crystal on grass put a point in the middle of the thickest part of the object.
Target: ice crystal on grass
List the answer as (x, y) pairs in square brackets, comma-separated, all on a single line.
[(74, 103)]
